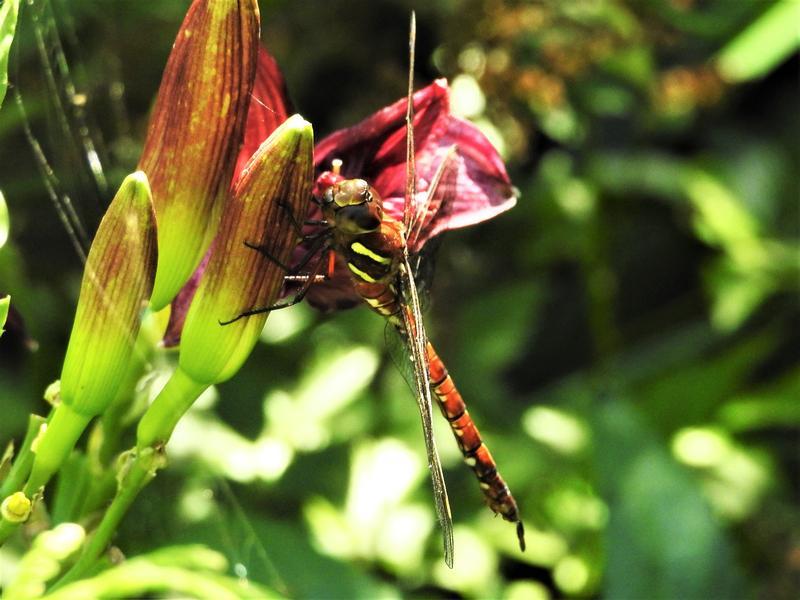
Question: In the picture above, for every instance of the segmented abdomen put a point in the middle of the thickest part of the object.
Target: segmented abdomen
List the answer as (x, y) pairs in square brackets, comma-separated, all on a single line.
[(475, 452)]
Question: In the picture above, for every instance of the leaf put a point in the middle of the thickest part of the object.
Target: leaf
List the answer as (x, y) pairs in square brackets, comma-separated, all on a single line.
[(4, 304), (662, 540), (763, 45), (8, 23), (4, 222), (188, 571)]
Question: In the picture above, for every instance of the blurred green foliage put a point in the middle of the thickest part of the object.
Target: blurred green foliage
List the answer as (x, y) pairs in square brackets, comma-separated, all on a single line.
[(628, 337)]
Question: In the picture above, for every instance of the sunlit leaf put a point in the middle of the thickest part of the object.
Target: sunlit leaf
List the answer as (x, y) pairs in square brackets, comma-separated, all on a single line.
[(5, 302), (762, 45), (193, 571), (663, 540), (8, 23), (735, 294), (4, 224)]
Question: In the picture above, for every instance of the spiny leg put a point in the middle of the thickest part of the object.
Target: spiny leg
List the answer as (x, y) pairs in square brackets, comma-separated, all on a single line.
[(318, 240), (308, 281)]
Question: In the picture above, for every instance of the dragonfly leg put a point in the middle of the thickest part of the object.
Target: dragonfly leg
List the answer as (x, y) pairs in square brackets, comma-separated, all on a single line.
[(307, 280), (317, 239), (287, 209), (262, 249)]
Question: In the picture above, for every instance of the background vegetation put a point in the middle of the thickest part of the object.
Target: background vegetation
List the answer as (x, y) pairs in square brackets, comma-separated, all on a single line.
[(628, 337)]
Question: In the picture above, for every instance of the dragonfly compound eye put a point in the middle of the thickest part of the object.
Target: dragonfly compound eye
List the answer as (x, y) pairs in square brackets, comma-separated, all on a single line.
[(352, 192)]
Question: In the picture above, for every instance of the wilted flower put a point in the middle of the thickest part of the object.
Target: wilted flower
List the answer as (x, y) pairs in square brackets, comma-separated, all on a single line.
[(477, 187), (195, 132)]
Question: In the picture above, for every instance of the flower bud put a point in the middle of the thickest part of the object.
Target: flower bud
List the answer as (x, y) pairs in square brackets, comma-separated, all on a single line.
[(269, 199), (195, 132), (267, 203), (116, 285), (16, 508)]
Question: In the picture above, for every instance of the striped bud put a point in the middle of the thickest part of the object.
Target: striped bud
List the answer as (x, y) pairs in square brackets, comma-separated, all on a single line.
[(195, 132), (269, 200), (116, 286)]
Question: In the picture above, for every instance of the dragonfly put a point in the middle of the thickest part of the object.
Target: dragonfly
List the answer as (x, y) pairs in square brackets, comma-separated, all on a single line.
[(356, 230)]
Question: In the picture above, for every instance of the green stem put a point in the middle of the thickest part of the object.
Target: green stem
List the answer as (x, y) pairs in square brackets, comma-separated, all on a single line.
[(7, 528), (110, 423), (100, 492), (170, 405), (140, 471), (153, 433), (54, 446), (24, 459)]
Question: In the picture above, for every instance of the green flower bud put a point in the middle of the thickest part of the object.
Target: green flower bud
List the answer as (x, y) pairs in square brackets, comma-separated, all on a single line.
[(116, 286), (195, 132), (277, 179), (16, 508), (276, 182)]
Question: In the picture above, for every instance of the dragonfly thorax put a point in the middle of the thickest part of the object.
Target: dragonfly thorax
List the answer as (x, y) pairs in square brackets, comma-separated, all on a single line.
[(352, 207)]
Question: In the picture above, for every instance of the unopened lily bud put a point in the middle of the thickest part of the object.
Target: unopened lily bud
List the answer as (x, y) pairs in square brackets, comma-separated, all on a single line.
[(268, 202), (16, 508), (116, 286), (195, 132)]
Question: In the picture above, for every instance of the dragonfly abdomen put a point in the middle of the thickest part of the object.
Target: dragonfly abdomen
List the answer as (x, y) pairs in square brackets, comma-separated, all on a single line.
[(468, 438)]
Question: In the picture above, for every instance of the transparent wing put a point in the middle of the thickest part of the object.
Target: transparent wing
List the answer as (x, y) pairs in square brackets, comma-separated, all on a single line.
[(411, 170), (417, 342), (442, 187)]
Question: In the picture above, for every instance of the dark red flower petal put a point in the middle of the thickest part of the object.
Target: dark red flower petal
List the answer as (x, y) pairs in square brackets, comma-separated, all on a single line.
[(473, 188), (375, 150), (269, 107)]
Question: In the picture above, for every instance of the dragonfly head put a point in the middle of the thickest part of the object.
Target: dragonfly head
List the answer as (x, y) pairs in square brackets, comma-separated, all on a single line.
[(352, 206)]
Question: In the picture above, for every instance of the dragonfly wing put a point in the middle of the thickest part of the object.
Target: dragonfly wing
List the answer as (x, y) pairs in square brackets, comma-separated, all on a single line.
[(417, 342), (411, 170), (441, 190)]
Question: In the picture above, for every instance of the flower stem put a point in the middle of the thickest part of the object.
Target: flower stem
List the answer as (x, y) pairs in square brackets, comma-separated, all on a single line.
[(62, 433), (154, 431), (170, 405), (23, 461), (140, 470)]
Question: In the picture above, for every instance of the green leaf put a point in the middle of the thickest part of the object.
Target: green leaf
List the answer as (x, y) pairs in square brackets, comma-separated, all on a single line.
[(763, 45), (4, 223), (191, 571), (4, 304), (663, 540), (8, 23)]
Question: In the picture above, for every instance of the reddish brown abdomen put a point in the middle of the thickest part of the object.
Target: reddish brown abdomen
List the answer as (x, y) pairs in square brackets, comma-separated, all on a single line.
[(475, 452)]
